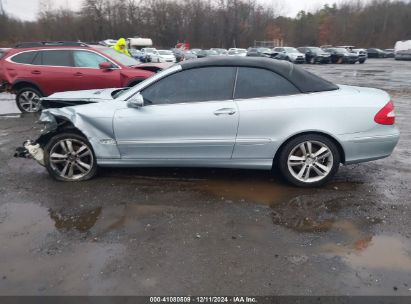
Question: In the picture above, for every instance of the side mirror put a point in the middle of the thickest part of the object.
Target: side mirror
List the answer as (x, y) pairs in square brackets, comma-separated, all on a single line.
[(105, 66), (137, 101)]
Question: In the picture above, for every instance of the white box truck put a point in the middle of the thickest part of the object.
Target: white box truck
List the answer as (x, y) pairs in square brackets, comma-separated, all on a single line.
[(403, 50), (139, 43)]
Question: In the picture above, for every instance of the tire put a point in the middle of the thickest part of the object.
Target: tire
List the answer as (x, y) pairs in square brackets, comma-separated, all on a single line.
[(60, 158), (293, 162), (361, 61), (312, 60), (27, 100)]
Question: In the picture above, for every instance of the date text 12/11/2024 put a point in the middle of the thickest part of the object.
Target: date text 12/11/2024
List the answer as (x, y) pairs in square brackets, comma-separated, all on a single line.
[(204, 299)]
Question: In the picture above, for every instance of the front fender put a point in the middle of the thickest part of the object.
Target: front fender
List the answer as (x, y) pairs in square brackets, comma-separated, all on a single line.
[(98, 130)]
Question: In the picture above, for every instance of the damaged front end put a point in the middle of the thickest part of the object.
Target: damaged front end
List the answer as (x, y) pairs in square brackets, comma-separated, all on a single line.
[(93, 123), (31, 150), (35, 149)]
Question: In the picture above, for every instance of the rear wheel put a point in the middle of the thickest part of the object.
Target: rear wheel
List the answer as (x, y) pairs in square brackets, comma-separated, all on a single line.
[(70, 157), (28, 100), (309, 160)]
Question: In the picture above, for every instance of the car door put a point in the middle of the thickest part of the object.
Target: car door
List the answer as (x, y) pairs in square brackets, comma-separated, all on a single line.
[(19, 66), (187, 115), (53, 70), (88, 75), (263, 100)]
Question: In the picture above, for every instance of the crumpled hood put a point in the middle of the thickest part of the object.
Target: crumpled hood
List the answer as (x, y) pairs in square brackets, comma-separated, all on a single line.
[(73, 98), (91, 95)]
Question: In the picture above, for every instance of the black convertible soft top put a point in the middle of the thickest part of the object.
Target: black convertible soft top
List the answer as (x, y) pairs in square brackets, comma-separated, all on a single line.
[(302, 79)]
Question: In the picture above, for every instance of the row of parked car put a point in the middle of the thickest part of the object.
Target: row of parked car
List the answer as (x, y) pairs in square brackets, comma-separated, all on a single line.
[(38, 69), (306, 54)]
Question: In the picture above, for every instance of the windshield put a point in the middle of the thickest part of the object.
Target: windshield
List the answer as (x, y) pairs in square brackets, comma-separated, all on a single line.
[(134, 52), (137, 88), (291, 50), (120, 58), (115, 94), (264, 50), (149, 50), (316, 50), (164, 52)]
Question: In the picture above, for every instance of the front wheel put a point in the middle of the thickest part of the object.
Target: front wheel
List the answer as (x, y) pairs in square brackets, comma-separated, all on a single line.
[(309, 160), (28, 100), (69, 157)]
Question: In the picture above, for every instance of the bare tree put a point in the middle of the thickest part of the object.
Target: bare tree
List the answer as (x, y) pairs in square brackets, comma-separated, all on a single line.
[(215, 23)]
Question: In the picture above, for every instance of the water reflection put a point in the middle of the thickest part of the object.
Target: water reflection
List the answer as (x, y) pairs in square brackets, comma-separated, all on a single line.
[(307, 213), (375, 252), (81, 221)]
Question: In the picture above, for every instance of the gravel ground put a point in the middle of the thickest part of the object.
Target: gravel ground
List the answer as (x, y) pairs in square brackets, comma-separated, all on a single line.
[(210, 232)]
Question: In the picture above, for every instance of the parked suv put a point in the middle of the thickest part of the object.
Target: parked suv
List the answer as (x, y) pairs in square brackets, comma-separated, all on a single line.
[(342, 55), (34, 70), (291, 54)]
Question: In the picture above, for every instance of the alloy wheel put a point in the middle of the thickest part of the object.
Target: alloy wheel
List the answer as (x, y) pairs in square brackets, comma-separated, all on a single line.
[(310, 161), (71, 159), (29, 101)]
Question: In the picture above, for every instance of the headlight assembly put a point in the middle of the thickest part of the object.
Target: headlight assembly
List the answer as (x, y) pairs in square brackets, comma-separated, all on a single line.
[(48, 121)]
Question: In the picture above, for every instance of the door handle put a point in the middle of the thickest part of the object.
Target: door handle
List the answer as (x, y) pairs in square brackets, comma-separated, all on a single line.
[(35, 72), (224, 111), (78, 74)]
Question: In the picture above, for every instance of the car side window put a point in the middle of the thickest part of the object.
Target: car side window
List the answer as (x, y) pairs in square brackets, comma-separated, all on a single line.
[(57, 58), (255, 82), (85, 59), (26, 57), (194, 85)]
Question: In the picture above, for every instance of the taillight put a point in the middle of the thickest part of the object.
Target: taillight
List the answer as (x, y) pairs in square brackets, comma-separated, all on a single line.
[(386, 116)]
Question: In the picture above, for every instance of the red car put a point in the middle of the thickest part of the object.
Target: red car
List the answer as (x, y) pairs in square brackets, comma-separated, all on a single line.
[(34, 70)]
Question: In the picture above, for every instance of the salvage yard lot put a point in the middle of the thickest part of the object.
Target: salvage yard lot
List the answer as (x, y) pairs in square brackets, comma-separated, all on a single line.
[(210, 231)]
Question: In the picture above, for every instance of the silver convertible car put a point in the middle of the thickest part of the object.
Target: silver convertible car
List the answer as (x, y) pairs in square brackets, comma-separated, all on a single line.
[(228, 112)]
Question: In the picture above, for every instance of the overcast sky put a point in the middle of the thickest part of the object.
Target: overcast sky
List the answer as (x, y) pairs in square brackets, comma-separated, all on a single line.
[(28, 9)]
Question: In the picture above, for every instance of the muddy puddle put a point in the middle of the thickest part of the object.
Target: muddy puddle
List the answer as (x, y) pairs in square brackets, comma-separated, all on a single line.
[(82, 221), (78, 241), (382, 252), (297, 209)]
